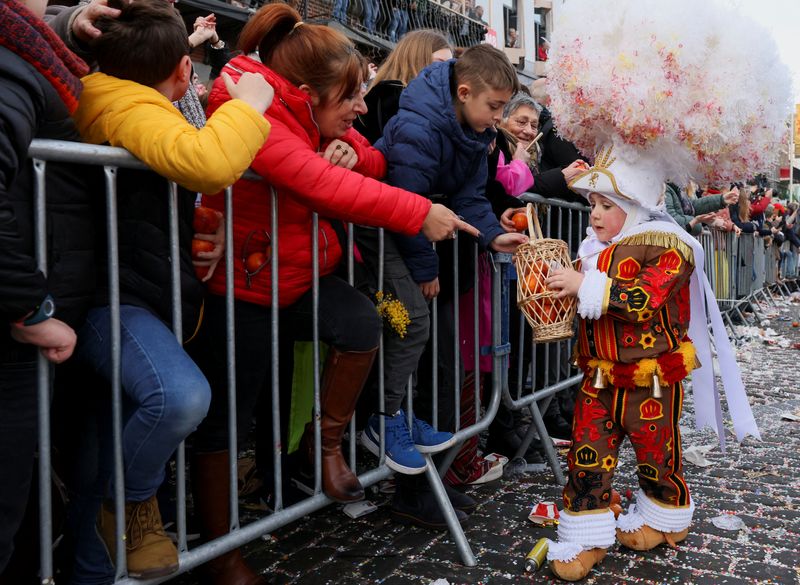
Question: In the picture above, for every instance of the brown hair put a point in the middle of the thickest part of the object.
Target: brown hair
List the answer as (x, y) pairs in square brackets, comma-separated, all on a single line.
[(483, 66), (411, 55), (311, 54), (744, 206), (143, 44)]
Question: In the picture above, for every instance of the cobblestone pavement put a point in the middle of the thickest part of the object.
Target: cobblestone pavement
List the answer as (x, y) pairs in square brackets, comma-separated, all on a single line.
[(757, 481)]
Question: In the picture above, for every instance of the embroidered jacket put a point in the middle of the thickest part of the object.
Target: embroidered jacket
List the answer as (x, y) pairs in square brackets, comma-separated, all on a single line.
[(645, 317)]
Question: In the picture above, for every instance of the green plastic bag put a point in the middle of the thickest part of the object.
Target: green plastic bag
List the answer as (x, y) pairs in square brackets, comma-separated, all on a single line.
[(303, 389)]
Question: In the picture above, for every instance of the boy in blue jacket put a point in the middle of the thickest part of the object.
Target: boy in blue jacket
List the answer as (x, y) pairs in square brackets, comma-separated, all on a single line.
[(438, 144)]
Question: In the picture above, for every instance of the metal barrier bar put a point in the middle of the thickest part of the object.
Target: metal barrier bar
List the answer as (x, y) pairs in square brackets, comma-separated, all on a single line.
[(43, 370), (177, 328), (230, 352), (275, 342)]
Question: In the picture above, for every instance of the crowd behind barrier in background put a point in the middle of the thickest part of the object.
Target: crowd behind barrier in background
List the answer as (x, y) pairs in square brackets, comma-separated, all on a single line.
[(745, 271)]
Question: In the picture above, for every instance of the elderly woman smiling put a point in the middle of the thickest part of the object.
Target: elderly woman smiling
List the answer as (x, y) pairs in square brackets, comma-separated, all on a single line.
[(520, 126)]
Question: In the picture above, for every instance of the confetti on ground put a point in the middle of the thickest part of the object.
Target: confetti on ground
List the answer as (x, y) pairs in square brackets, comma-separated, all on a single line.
[(756, 481)]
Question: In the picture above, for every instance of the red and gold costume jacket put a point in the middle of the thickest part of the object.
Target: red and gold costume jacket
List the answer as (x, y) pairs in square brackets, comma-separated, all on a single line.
[(645, 317)]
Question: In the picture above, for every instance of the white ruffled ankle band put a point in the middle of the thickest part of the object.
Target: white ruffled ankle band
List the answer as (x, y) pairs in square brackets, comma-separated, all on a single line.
[(650, 512), (582, 531)]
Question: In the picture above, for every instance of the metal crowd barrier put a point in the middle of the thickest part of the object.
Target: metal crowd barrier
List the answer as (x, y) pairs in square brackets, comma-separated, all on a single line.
[(547, 369), (743, 270), (44, 151), (546, 372)]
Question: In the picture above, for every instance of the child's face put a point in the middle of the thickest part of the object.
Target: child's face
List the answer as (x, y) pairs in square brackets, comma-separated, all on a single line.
[(483, 110), (607, 218)]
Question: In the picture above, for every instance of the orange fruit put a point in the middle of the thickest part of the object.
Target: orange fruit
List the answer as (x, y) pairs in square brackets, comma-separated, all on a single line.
[(201, 246), (206, 220), (255, 261), (520, 221)]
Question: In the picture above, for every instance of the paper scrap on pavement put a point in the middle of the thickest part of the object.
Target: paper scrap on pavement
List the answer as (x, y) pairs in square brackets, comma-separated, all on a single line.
[(696, 454), (793, 416), (729, 522)]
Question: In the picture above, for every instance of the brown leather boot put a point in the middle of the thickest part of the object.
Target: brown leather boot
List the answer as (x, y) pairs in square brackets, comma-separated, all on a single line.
[(579, 567), (211, 503), (646, 538), (150, 552), (342, 381)]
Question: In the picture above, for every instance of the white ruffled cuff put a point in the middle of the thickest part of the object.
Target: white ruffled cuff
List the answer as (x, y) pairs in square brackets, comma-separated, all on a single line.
[(656, 516), (593, 294), (582, 531), (563, 551)]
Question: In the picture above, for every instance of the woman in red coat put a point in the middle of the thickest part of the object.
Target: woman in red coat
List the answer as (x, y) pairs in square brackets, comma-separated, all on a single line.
[(315, 162)]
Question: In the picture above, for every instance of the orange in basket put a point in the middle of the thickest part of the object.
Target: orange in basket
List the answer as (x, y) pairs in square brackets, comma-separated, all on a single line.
[(549, 317)]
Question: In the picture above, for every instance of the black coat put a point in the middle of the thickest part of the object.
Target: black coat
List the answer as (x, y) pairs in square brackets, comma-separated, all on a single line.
[(557, 154), (145, 265), (31, 108), (383, 101)]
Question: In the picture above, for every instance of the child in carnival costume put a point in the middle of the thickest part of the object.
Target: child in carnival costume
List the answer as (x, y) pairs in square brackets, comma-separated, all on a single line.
[(641, 94)]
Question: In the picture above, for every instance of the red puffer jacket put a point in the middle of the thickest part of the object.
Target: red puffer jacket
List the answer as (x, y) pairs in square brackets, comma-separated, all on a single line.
[(290, 162)]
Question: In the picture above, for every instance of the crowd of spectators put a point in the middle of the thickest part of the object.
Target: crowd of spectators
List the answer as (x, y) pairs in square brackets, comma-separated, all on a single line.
[(324, 140), (741, 208), (462, 24)]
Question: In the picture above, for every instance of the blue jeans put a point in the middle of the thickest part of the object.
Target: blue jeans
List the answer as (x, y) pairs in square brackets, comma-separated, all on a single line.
[(166, 393), (165, 397), (370, 14), (340, 10), (398, 25)]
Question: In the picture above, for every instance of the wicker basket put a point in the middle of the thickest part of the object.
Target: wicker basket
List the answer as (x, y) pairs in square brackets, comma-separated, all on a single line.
[(550, 317)]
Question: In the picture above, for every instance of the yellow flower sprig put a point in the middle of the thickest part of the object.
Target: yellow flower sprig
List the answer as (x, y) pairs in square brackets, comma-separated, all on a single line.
[(393, 312)]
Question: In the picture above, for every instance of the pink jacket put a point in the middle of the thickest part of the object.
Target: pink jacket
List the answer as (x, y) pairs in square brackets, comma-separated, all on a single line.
[(515, 177)]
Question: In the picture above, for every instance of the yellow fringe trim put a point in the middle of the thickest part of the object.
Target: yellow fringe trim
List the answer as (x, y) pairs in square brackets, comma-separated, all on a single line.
[(661, 239), (647, 367)]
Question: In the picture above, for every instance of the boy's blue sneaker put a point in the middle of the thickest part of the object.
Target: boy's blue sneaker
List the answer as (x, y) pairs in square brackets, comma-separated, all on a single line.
[(401, 455), (429, 440)]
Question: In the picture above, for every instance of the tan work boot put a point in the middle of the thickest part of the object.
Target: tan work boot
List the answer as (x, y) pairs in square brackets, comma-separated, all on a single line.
[(579, 567), (646, 538), (150, 552)]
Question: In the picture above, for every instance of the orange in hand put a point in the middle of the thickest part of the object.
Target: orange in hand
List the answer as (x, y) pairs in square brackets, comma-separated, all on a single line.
[(201, 246), (206, 220), (520, 220)]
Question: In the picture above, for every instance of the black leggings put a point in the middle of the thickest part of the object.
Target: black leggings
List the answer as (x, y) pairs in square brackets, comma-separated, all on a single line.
[(348, 321)]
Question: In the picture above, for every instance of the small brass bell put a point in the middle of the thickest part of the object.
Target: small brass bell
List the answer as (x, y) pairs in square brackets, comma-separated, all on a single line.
[(599, 380), (697, 363), (656, 393)]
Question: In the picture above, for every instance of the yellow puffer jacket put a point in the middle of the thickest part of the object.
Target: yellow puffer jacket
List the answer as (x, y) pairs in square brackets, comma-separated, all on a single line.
[(136, 117)]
